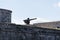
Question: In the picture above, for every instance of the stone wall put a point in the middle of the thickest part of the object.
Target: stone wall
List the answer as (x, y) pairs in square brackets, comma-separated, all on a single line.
[(23, 32), (55, 24), (5, 15)]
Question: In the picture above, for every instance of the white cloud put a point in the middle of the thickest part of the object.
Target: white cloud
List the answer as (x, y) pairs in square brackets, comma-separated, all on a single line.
[(38, 20), (56, 4)]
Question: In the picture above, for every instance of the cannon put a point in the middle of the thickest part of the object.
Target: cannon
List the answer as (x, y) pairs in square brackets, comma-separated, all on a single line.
[(27, 21)]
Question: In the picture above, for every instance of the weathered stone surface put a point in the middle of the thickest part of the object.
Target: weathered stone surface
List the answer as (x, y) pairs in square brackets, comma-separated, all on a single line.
[(54, 24), (23, 32), (5, 15)]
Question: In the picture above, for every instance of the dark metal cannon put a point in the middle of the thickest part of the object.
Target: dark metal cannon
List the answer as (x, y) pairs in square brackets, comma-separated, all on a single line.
[(27, 21)]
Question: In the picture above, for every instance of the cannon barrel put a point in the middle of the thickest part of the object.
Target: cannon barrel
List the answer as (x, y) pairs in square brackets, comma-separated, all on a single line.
[(33, 19)]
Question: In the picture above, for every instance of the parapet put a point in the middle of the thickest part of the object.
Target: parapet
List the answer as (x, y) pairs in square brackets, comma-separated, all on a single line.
[(5, 15)]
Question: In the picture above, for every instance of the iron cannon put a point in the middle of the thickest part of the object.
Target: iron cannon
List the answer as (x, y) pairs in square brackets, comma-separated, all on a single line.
[(27, 21)]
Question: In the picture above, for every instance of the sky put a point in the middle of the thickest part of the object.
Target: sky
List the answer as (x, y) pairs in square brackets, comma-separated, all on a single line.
[(43, 10)]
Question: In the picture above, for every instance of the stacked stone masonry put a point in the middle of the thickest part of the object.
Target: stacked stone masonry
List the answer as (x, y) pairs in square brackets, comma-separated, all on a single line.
[(5, 16), (23, 32)]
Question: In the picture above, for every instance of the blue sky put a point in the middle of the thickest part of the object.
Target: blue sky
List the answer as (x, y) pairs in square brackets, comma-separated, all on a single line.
[(44, 9)]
